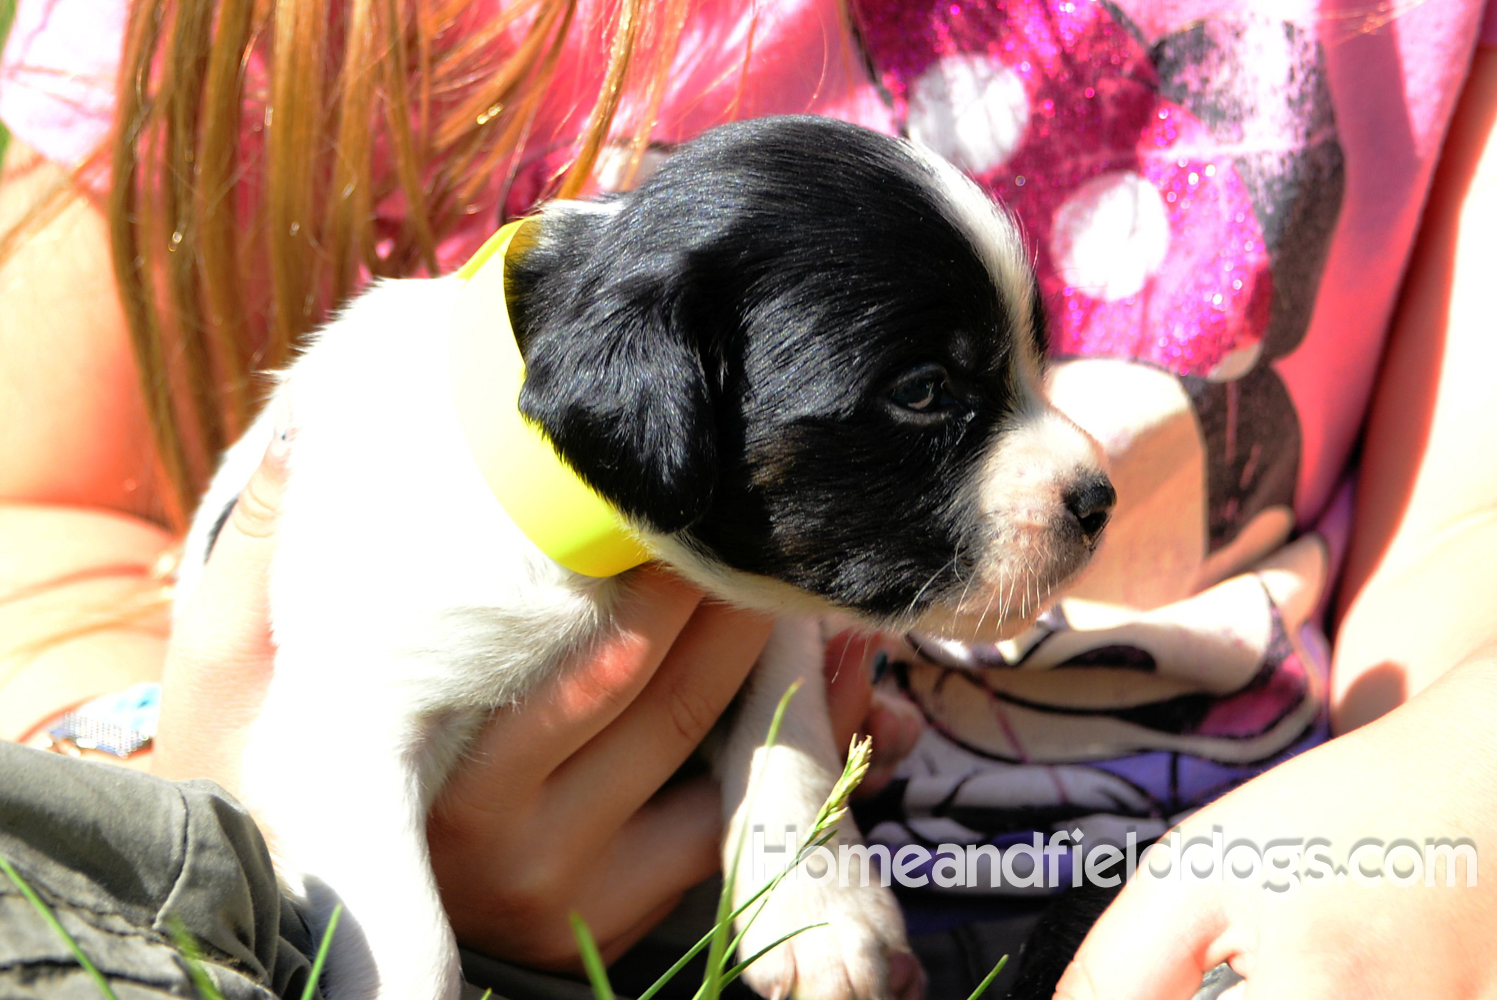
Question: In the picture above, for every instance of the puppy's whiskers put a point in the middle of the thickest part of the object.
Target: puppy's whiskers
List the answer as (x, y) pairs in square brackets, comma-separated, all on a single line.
[(966, 590), (992, 595), (1008, 599), (909, 611)]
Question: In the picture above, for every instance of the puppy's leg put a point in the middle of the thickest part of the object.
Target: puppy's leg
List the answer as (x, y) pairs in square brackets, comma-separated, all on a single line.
[(849, 958), (349, 826)]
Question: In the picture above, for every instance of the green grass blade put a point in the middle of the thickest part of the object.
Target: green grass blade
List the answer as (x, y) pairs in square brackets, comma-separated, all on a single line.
[(706, 939), (322, 949), (982, 987), (824, 829), (712, 982), (192, 957), (741, 835), (681, 962), (592, 960), (7, 14), (737, 941), (719, 939), (206, 987), (737, 970), (765, 890), (52, 921)]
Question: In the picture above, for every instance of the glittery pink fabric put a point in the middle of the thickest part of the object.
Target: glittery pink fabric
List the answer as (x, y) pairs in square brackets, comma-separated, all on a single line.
[(1095, 109)]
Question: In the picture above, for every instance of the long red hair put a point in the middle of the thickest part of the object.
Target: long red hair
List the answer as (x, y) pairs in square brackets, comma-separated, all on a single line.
[(232, 238)]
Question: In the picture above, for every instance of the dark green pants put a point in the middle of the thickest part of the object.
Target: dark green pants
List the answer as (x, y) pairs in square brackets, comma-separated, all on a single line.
[(121, 857)]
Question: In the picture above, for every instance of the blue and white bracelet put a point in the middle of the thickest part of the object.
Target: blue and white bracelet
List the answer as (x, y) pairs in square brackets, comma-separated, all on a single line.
[(120, 724)]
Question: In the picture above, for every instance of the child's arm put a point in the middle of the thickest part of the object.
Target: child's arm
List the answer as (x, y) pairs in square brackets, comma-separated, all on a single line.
[(78, 499), (1420, 591)]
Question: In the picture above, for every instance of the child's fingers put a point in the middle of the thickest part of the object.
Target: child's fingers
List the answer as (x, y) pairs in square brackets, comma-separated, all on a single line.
[(517, 751), (513, 898), (849, 687), (621, 768), (857, 708), (671, 844), (895, 725), (228, 614), (221, 656), (1152, 943)]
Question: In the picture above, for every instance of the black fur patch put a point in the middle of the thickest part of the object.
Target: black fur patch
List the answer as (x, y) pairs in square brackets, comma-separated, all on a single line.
[(716, 353)]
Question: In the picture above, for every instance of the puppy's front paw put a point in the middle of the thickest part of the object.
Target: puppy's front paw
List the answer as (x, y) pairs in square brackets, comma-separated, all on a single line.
[(861, 953)]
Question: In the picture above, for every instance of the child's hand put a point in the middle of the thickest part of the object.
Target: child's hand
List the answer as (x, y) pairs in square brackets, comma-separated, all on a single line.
[(894, 723), (559, 806), (1426, 770)]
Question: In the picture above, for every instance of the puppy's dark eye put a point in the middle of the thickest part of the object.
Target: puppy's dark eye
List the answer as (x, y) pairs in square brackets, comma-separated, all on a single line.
[(925, 390), (918, 394)]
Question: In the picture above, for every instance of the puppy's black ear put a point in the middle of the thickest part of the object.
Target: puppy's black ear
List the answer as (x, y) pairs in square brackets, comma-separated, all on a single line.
[(614, 373)]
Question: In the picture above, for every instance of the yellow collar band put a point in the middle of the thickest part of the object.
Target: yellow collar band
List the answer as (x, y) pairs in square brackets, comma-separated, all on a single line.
[(546, 499)]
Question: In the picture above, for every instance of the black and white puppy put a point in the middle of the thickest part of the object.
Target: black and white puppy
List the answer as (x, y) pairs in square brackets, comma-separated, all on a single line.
[(804, 360)]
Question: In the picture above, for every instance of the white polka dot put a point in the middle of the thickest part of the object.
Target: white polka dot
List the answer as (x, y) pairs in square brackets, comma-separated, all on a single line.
[(1236, 363), (1111, 235), (971, 109)]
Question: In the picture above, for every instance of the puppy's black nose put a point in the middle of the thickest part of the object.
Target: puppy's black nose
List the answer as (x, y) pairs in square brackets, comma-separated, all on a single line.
[(1091, 501)]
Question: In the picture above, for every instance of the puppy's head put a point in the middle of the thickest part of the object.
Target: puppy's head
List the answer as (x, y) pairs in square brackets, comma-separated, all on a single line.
[(806, 361)]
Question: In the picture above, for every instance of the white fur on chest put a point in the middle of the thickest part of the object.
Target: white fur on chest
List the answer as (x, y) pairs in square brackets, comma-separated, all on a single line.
[(391, 543)]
